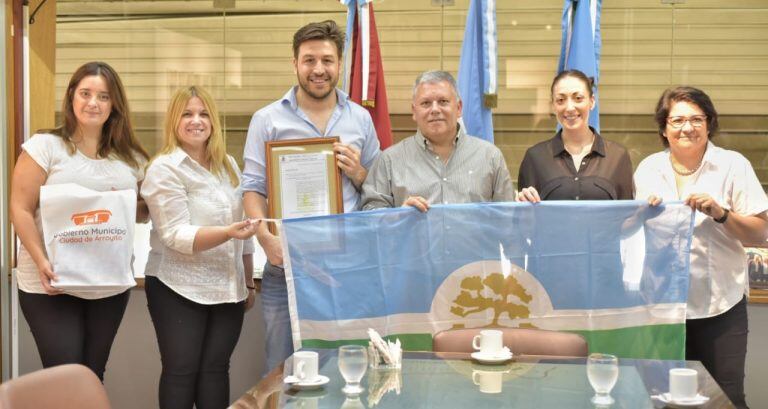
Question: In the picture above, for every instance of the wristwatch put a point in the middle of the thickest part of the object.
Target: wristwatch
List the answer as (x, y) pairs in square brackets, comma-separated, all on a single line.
[(722, 219)]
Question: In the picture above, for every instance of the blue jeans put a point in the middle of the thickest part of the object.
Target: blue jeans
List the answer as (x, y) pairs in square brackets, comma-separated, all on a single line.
[(274, 306)]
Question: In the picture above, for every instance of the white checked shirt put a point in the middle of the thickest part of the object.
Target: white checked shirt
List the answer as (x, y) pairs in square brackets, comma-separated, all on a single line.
[(183, 196)]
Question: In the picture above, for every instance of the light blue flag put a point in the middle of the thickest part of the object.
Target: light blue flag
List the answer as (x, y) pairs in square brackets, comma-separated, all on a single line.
[(613, 271), (478, 69), (352, 6), (580, 46)]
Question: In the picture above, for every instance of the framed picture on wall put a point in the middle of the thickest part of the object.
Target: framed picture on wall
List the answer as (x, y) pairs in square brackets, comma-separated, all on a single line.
[(757, 269)]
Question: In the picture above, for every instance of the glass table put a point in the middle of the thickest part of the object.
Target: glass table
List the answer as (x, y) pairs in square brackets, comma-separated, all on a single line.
[(453, 380)]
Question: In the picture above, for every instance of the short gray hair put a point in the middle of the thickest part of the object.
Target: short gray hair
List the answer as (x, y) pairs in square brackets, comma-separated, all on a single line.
[(434, 76)]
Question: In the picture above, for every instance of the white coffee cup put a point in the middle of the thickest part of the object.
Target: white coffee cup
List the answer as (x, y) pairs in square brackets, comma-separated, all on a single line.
[(488, 381), (305, 365), (683, 383), (489, 342)]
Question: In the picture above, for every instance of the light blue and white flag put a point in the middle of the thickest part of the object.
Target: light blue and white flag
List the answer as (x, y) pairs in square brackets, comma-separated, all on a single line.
[(580, 46), (613, 271), (352, 7), (478, 69)]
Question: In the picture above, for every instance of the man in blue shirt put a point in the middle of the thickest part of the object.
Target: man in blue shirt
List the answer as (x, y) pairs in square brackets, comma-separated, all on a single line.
[(314, 108)]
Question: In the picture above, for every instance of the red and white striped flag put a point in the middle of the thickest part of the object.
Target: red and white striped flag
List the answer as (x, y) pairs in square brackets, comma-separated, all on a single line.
[(363, 68)]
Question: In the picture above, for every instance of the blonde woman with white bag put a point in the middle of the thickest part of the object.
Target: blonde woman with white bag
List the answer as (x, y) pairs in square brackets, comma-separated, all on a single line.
[(95, 148), (199, 276)]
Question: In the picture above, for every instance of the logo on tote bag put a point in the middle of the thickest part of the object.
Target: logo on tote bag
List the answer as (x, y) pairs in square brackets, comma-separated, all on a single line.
[(84, 234), (91, 217)]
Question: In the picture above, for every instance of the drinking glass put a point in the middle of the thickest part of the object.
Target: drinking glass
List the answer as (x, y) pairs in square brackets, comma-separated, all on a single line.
[(602, 372), (353, 361)]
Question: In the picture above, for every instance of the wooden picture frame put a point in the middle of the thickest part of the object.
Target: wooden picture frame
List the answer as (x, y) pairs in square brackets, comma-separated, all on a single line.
[(757, 272), (308, 168)]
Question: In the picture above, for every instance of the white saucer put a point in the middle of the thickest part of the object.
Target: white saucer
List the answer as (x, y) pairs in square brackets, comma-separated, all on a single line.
[(666, 398), (491, 359), (306, 385)]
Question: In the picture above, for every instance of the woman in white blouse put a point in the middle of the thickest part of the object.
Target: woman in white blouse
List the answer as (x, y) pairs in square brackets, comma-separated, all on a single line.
[(730, 209), (199, 273)]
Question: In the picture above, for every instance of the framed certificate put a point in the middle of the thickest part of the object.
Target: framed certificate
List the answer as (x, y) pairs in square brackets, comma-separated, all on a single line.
[(303, 179)]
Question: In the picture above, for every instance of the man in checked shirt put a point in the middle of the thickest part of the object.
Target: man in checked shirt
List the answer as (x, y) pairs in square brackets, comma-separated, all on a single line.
[(441, 164)]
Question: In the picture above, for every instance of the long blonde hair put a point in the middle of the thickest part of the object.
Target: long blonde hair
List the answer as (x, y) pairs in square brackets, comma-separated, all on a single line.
[(215, 149)]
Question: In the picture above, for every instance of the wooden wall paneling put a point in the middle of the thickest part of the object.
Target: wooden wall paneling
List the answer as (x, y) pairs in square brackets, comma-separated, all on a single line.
[(701, 16), (17, 63), (78, 7), (9, 82), (12, 10), (42, 66), (647, 52), (716, 46), (5, 238)]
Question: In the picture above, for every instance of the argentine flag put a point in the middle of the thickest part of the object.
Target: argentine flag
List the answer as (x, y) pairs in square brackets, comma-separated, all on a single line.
[(478, 69), (580, 46)]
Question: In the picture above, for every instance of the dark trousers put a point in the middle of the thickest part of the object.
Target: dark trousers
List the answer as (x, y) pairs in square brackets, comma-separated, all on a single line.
[(196, 342), (720, 343), (70, 329)]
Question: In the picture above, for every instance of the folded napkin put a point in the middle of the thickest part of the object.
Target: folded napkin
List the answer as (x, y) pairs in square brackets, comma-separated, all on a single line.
[(381, 382), (384, 352)]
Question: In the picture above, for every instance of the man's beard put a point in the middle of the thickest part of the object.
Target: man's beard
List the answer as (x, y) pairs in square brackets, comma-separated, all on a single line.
[(306, 86)]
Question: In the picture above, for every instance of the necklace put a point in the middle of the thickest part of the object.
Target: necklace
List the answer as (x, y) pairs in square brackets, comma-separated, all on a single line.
[(686, 171)]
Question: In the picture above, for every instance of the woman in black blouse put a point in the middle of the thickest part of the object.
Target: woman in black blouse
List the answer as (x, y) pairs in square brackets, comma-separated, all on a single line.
[(577, 164)]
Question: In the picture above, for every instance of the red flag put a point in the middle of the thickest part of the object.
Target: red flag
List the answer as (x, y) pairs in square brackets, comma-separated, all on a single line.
[(376, 93)]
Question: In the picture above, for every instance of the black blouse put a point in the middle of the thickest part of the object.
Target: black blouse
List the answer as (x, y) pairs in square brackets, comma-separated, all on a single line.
[(605, 172)]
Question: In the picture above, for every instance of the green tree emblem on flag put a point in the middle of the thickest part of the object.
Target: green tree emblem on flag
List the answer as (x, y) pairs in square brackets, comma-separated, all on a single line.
[(471, 299)]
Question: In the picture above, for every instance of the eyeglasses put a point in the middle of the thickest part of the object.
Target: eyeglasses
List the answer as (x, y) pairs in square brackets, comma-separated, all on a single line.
[(696, 121)]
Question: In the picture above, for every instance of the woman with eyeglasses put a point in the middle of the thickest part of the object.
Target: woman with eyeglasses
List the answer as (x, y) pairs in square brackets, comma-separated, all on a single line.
[(730, 209)]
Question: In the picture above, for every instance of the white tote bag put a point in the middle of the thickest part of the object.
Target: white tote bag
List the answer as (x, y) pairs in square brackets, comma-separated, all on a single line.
[(89, 236)]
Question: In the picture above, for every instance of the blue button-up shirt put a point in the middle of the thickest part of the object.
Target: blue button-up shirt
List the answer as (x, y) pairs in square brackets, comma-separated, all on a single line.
[(283, 119)]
